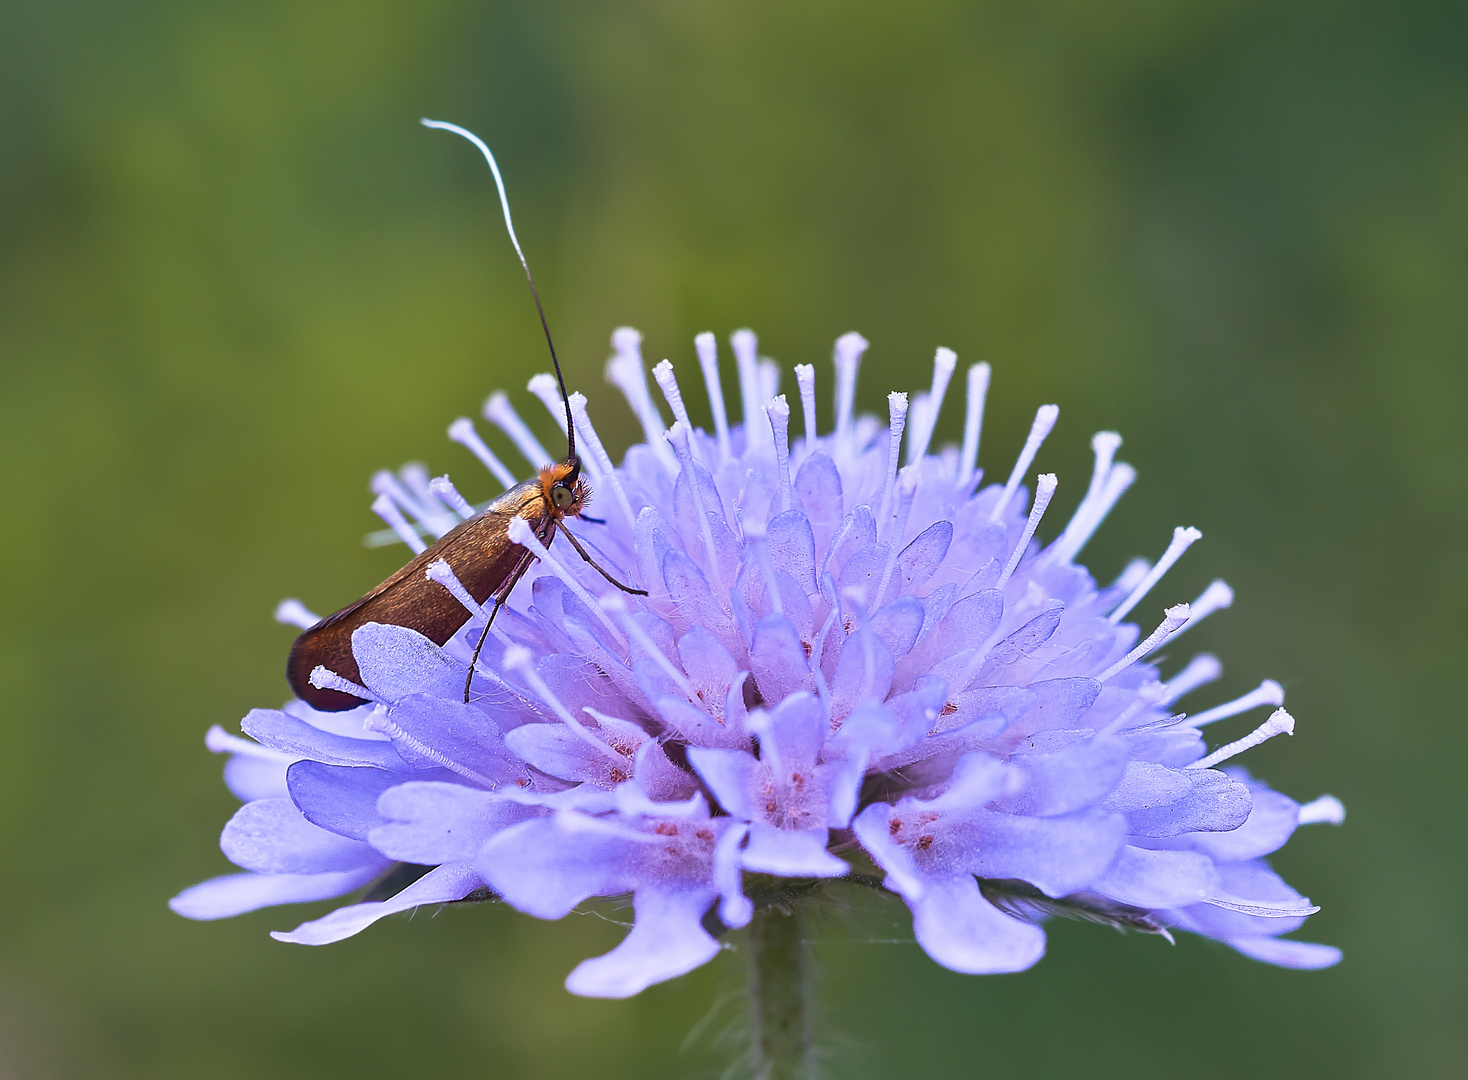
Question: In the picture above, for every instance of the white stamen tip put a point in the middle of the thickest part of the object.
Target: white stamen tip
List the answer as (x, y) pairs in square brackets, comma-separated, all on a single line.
[(1326, 810), (627, 341), (1044, 492), (973, 421), (1044, 423), (294, 613), (1177, 617), (499, 412), (1182, 539), (462, 432), (440, 572), (1279, 723), (517, 657), (805, 379), (778, 411), (1214, 598), (323, 678), (1268, 692), (384, 507), (1201, 670), (707, 347), (847, 358), (441, 487), (545, 387), (944, 361)]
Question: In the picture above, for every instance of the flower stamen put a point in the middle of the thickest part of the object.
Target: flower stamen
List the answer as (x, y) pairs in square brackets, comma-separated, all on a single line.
[(1279, 723), (462, 432)]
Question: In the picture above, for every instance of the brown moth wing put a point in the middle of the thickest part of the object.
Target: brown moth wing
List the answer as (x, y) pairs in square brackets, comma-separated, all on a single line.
[(481, 555)]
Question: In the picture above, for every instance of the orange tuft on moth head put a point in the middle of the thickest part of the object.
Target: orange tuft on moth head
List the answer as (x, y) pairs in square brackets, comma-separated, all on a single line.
[(564, 490)]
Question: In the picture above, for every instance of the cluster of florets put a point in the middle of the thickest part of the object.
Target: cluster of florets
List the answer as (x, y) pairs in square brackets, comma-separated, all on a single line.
[(851, 655)]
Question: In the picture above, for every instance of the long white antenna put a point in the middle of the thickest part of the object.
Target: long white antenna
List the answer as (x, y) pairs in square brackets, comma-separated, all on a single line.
[(499, 183)]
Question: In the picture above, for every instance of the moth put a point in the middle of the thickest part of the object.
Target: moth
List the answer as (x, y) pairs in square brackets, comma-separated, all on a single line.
[(478, 550)]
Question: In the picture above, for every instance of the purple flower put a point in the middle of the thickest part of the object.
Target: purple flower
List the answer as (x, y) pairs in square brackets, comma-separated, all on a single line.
[(852, 654)]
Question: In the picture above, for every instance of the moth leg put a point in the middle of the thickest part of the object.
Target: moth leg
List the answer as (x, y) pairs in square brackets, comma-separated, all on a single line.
[(595, 566), (499, 602)]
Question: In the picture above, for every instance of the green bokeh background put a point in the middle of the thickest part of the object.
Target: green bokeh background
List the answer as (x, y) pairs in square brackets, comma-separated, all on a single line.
[(236, 277)]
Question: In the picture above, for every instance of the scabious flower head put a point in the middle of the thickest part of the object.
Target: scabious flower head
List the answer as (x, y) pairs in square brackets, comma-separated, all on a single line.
[(853, 653)]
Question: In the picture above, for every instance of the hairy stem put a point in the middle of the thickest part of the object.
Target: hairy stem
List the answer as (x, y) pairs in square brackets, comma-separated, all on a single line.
[(779, 993)]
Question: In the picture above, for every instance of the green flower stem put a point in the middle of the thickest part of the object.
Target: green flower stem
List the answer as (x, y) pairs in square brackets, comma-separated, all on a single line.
[(779, 992)]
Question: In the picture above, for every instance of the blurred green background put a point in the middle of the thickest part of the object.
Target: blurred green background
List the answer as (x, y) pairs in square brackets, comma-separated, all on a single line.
[(236, 277)]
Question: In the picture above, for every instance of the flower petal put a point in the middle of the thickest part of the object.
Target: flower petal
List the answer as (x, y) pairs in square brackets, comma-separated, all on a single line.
[(667, 940), (439, 886), (234, 894), (961, 930), (432, 822), (270, 836)]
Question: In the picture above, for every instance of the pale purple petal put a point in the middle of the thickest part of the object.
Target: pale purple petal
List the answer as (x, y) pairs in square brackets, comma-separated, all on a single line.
[(667, 940), (430, 822), (439, 886), (961, 930), (1158, 879), (1305, 955), (791, 854), (270, 836), (234, 894)]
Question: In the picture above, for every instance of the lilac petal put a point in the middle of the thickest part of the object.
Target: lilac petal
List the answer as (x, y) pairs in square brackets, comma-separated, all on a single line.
[(1057, 855), (903, 875), (659, 777), (920, 558), (441, 885), (863, 673), (1069, 779), (967, 625), (731, 775), (667, 940), (252, 771), (735, 909), (339, 799), (234, 894), (708, 664), (793, 731), (696, 726), (428, 731), (1002, 705), (270, 836), (818, 483), (898, 624), (1161, 802), (791, 853), (777, 660), (696, 602), (293, 736), (1003, 663), (977, 779), (431, 822), (917, 712), (1059, 705), (249, 777), (1158, 879), (1305, 955), (1271, 821), (961, 930), (792, 547), (543, 870), (556, 750), (396, 661)]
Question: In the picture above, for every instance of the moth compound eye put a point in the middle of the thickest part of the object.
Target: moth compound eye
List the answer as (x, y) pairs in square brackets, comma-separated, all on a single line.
[(561, 496)]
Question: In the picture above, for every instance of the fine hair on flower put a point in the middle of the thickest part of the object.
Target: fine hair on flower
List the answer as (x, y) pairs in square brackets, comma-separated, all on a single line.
[(858, 658)]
